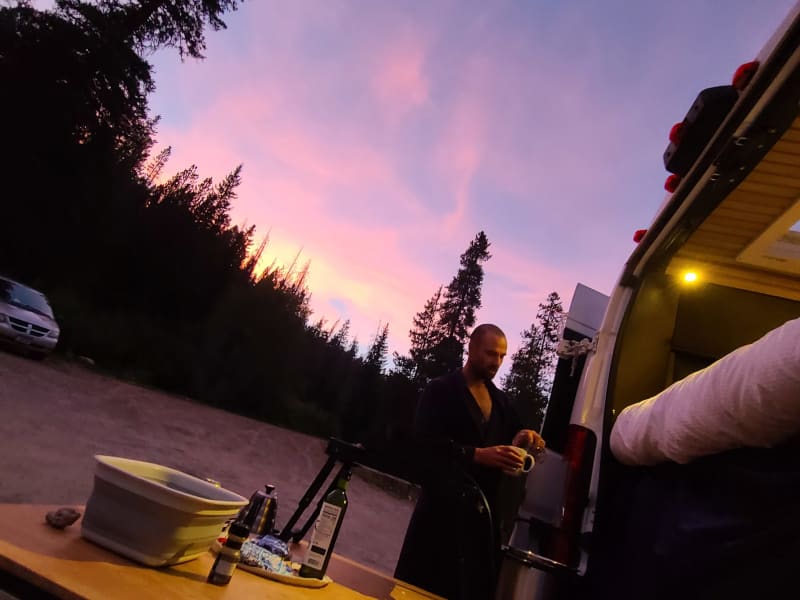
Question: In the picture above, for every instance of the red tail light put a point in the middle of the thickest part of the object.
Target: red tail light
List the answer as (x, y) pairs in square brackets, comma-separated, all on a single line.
[(744, 74), (676, 133), (637, 237), (671, 184), (579, 454)]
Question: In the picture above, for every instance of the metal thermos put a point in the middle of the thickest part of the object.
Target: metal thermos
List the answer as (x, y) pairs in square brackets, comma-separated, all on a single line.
[(260, 512)]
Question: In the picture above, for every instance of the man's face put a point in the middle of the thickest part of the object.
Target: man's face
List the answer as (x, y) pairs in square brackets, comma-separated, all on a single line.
[(486, 354)]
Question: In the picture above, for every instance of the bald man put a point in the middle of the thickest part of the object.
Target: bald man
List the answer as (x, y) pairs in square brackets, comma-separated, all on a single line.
[(468, 425)]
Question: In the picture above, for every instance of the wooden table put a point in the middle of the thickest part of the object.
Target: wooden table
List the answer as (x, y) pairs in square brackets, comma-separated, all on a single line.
[(62, 563)]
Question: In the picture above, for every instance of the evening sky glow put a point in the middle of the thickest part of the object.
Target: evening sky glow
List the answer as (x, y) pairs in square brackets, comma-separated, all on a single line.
[(378, 138)]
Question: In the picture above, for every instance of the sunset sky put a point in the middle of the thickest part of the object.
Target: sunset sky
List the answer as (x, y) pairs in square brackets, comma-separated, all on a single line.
[(378, 138)]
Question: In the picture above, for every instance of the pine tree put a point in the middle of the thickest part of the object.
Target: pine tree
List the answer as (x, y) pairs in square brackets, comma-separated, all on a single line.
[(358, 418), (376, 355), (153, 169), (352, 349), (340, 338), (530, 378), (318, 329), (423, 338), (440, 330), (152, 24), (456, 315)]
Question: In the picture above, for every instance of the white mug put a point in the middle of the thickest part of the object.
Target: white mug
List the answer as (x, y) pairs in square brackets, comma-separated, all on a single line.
[(527, 463)]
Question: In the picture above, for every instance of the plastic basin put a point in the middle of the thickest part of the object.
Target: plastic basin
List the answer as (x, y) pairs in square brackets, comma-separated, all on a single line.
[(153, 514)]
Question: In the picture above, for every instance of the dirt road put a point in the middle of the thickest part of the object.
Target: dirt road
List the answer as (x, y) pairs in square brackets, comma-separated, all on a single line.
[(56, 415)]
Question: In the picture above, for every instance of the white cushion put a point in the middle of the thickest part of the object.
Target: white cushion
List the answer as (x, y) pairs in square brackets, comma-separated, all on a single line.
[(750, 397)]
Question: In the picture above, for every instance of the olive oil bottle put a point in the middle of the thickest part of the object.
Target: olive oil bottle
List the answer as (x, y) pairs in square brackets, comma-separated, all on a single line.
[(326, 530)]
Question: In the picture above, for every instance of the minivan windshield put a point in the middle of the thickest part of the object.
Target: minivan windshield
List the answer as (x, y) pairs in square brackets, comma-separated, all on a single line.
[(24, 297)]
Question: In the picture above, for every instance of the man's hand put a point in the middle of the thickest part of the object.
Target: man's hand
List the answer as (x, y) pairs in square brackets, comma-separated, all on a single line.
[(498, 457), (530, 440)]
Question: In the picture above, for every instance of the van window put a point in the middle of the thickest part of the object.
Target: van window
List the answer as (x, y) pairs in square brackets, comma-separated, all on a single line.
[(24, 297)]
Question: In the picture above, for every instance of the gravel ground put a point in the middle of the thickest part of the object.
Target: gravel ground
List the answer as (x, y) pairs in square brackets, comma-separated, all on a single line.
[(56, 415)]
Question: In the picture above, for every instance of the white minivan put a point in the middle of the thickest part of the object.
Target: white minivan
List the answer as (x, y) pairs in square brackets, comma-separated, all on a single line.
[(26, 319), (716, 274)]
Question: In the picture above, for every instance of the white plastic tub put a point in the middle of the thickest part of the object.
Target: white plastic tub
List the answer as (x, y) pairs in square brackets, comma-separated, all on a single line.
[(153, 514)]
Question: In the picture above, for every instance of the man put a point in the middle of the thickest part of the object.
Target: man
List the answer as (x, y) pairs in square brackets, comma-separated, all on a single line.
[(466, 428)]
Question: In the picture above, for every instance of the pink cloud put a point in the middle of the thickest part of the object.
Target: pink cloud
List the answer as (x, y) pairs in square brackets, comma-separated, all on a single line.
[(285, 135), (351, 262), (399, 82), (462, 148), (293, 169), (325, 162), (310, 178), (362, 269)]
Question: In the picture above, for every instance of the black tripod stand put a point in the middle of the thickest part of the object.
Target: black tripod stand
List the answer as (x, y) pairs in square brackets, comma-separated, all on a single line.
[(338, 451)]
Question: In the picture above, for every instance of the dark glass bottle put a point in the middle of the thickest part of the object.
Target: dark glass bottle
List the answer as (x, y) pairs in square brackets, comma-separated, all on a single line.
[(229, 555), (326, 530)]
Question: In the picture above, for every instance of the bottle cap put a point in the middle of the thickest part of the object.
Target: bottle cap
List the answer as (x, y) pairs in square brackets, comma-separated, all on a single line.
[(239, 529)]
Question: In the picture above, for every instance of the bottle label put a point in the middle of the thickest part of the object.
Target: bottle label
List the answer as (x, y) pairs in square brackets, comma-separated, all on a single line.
[(323, 534), (225, 568)]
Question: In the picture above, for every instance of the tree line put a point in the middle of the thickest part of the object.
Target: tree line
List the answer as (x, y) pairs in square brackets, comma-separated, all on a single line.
[(147, 273)]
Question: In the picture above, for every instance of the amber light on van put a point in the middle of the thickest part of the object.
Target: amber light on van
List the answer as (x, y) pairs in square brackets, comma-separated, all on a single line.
[(690, 277)]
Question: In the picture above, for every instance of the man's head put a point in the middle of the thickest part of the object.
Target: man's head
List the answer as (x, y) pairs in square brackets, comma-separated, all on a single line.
[(487, 349)]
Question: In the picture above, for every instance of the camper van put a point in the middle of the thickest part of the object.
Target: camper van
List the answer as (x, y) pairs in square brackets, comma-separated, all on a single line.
[(673, 468)]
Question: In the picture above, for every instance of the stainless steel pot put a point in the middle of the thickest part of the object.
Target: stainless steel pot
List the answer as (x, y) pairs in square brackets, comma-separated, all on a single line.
[(525, 575)]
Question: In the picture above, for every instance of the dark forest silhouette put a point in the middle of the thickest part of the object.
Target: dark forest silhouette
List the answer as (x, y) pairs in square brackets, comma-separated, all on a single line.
[(146, 272)]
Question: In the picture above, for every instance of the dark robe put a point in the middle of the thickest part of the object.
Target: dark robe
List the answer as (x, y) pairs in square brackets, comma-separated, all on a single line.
[(452, 543)]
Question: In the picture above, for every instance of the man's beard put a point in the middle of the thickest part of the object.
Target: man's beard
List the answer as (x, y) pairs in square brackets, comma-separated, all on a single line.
[(488, 373)]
